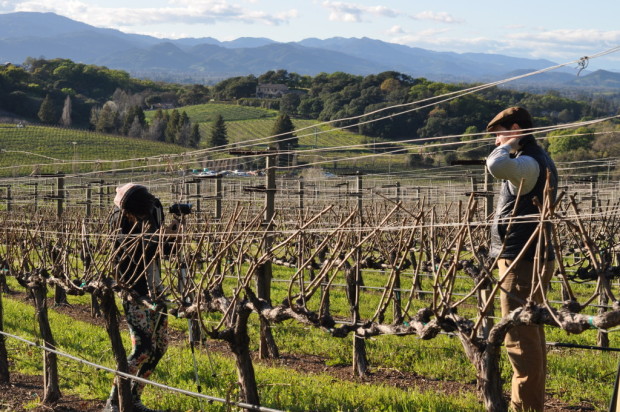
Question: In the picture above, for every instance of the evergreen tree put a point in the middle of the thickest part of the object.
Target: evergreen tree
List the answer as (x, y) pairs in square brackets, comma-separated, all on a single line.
[(134, 112), (284, 138), (184, 119), (182, 134), (47, 111), (282, 130), (219, 134), (173, 126), (194, 137), (65, 119)]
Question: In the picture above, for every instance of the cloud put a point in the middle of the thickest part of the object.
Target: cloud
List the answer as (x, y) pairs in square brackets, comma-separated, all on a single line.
[(177, 11), (571, 37), (354, 13), (396, 30), (443, 39), (442, 17), (563, 45), (560, 46)]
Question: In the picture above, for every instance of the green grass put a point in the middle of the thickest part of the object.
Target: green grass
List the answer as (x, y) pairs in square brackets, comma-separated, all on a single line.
[(279, 387), (574, 375)]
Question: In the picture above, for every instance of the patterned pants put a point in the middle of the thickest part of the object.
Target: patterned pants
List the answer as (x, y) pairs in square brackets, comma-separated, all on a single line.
[(149, 341)]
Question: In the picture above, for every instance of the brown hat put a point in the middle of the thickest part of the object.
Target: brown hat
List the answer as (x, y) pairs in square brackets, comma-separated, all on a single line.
[(510, 116), (123, 192)]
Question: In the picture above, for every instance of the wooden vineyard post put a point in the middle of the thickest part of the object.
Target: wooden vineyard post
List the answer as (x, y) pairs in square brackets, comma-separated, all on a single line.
[(9, 203), (100, 193), (60, 195), (360, 362), (268, 348), (218, 197), (300, 193), (198, 195), (5, 377), (60, 296), (35, 195), (488, 198), (89, 200)]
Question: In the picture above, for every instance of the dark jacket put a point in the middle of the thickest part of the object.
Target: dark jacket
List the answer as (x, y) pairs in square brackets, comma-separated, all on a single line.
[(521, 231), (137, 248)]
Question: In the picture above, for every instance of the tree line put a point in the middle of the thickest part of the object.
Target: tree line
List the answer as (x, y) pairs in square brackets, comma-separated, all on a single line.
[(60, 91)]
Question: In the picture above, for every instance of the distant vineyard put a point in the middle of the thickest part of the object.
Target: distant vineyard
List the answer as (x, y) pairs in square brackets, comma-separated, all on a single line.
[(43, 145), (242, 131), (230, 112)]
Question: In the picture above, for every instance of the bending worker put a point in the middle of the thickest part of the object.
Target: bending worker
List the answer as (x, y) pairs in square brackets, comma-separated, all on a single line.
[(136, 221)]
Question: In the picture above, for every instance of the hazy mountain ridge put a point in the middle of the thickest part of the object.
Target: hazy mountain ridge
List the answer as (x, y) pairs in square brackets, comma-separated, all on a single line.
[(49, 35)]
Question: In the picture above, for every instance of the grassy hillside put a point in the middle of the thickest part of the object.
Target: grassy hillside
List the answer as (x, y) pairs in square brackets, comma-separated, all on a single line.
[(230, 112), (55, 149), (246, 124), (51, 147), (250, 128)]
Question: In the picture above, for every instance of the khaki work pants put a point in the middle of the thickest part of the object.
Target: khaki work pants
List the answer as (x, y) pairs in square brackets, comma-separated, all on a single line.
[(526, 345)]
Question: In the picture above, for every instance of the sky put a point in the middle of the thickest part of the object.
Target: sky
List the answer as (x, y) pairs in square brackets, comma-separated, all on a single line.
[(560, 31)]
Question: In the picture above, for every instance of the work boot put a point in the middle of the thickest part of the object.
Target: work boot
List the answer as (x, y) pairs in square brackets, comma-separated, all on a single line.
[(138, 406), (111, 405)]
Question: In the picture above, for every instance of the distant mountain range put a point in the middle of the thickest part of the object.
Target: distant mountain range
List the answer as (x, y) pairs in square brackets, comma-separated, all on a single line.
[(49, 35)]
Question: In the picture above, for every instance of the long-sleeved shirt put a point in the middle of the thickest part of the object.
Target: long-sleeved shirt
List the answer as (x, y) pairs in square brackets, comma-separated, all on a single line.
[(513, 169)]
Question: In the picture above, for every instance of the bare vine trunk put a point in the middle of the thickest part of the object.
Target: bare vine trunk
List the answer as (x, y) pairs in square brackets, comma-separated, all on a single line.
[(485, 358), (325, 308), (111, 317), (4, 287), (51, 389), (398, 314), (5, 377), (60, 296), (239, 344), (360, 361)]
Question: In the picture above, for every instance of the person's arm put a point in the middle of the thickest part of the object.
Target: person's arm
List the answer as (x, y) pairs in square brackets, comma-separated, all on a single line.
[(502, 166)]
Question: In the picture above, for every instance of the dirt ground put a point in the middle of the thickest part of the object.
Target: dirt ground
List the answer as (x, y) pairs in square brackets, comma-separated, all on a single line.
[(25, 390)]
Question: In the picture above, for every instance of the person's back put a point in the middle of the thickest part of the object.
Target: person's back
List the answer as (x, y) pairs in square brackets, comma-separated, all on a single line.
[(137, 248)]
